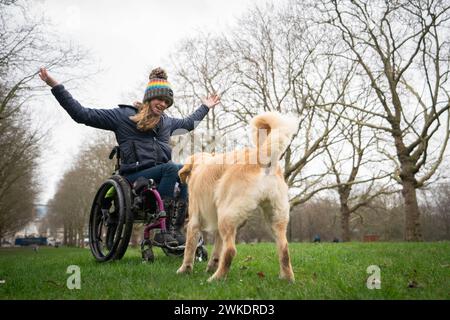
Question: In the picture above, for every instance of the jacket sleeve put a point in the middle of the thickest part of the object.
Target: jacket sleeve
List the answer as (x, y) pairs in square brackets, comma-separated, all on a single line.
[(190, 122), (106, 119)]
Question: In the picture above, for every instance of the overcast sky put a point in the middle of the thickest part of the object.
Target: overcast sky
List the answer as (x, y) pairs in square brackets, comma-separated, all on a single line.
[(126, 40)]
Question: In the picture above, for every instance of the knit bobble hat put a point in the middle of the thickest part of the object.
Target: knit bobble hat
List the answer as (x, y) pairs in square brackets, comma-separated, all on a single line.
[(158, 87)]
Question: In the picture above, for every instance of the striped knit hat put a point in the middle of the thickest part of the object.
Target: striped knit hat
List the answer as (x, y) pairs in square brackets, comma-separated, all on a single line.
[(158, 87)]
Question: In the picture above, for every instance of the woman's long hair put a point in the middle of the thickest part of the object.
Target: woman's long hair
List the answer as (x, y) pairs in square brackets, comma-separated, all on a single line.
[(144, 118)]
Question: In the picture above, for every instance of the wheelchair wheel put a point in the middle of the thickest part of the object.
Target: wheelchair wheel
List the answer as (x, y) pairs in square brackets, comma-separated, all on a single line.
[(110, 229)]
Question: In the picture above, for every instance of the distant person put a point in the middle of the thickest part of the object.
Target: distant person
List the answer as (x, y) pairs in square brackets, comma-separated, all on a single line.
[(316, 238), (143, 133)]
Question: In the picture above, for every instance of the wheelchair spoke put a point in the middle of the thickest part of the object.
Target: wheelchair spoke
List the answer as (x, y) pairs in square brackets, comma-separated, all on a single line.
[(99, 230)]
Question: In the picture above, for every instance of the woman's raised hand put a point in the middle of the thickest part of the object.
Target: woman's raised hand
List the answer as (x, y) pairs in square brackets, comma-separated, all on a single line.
[(43, 74), (211, 101)]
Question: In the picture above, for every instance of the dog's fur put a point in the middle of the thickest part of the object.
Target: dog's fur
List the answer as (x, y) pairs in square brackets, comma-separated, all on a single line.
[(224, 189)]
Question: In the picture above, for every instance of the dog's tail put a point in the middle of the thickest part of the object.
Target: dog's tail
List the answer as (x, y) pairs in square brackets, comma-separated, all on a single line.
[(272, 133)]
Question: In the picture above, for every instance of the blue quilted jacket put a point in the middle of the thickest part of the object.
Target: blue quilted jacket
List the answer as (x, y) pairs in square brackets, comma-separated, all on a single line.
[(139, 150)]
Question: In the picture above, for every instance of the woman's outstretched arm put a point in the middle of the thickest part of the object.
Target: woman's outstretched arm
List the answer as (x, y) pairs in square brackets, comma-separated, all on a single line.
[(191, 121), (98, 118)]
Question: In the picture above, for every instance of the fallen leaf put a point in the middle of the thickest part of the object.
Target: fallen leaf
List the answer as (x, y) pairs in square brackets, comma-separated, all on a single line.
[(261, 274)]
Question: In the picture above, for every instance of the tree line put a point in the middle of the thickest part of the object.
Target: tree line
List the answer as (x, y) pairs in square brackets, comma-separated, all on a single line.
[(368, 81), (24, 46), (70, 206)]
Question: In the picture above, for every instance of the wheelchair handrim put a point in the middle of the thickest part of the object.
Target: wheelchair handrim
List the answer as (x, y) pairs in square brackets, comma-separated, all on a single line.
[(93, 226)]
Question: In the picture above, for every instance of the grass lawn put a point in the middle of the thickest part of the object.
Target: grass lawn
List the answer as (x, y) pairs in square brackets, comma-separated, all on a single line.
[(322, 271)]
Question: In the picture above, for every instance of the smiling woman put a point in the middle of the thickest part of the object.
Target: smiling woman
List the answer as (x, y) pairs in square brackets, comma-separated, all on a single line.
[(158, 97), (143, 136)]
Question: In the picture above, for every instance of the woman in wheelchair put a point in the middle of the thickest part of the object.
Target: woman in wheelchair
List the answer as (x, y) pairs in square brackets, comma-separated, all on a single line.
[(143, 132)]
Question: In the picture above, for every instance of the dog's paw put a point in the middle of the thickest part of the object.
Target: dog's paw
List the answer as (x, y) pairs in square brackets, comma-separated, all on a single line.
[(287, 277), (184, 270), (211, 268), (216, 277)]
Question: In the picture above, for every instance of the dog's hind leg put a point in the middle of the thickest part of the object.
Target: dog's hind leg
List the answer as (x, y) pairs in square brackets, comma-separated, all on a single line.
[(214, 260), (192, 237), (227, 231), (279, 227)]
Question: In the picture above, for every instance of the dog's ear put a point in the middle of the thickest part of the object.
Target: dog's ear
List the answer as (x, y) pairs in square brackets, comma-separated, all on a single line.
[(185, 172)]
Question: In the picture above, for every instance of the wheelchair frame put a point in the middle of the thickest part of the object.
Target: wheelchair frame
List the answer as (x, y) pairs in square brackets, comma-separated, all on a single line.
[(127, 211)]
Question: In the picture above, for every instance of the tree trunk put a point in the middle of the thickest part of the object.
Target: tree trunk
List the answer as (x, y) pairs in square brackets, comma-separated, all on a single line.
[(70, 236), (447, 227), (412, 212), (65, 235), (409, 184), (345, 222), (81, 233)]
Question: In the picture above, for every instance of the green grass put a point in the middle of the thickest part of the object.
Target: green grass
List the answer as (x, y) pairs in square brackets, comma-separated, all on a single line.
[(322, 271)]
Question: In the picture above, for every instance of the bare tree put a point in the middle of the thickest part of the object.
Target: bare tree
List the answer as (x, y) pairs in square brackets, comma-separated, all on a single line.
[(279, 66), (402, 49), (436, 207), (71, 204), (200, 66), (346, 161), (265, 65), (25, 45), (18, 183)]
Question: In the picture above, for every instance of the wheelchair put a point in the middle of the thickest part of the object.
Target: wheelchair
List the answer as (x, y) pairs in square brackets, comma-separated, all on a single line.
[(117, 205)]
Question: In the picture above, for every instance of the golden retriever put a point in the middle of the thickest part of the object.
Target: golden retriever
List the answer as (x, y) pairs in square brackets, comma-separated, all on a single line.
[(224, 189)]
